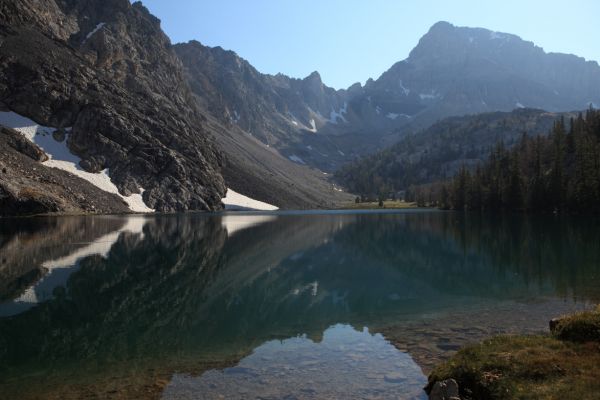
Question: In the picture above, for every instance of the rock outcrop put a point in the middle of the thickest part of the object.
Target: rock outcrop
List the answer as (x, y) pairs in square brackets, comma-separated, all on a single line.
[(445, 390), (106, 69)]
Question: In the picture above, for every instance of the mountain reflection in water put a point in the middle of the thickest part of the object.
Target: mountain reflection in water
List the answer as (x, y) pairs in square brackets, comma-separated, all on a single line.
[(119, 304)]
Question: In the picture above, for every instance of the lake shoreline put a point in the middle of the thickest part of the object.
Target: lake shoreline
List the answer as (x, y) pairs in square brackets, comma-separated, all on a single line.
[(556, 364)]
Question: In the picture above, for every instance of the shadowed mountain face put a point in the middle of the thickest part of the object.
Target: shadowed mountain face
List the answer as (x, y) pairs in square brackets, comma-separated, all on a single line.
[(453, 71), (186, 293), (105, 68)]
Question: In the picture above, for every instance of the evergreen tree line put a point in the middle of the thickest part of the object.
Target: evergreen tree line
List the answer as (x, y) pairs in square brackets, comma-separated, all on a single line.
[(555, 173)]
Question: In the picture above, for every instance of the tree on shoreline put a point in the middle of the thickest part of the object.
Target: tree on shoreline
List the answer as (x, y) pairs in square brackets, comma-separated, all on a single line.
[(555, 173)]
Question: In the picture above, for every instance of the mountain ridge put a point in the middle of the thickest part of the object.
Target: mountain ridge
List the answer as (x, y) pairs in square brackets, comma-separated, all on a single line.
[(451, 71)]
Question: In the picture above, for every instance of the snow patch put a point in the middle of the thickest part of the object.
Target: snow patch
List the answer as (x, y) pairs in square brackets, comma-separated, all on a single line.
[(236, 201), (498, 36), (430, 96), (404, 90), (394, 116), (334, 116), (313, 126), (519, 105), (341, 153), (378, 110), (296, 159), (61, 157), (96, 29)]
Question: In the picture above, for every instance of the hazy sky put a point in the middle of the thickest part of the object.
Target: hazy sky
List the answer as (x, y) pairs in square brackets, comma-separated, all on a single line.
[(350, 41)]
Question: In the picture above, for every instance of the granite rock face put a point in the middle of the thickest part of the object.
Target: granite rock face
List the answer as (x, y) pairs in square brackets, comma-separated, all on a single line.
[(106, 69)]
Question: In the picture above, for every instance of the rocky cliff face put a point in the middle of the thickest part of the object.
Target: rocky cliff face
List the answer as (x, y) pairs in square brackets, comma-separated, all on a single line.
[(272, 108), (107, 70), (285, 113)]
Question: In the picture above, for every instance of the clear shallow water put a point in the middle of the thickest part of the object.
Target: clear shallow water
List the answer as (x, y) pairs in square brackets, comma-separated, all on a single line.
[(345, 364), (157, 307)]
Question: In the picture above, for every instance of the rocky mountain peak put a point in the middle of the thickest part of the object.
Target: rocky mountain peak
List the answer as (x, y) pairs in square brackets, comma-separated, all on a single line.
[(446, 43), (314, 76)]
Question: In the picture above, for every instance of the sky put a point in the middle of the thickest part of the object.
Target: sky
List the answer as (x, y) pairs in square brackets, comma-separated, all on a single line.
[(349, 41)]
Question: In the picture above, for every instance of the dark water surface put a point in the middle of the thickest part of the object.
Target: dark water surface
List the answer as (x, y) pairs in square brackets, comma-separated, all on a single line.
[(278, 305)]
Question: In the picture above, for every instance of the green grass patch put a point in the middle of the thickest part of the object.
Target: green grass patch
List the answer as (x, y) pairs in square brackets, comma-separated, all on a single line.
[(563, 366), (580, 327)]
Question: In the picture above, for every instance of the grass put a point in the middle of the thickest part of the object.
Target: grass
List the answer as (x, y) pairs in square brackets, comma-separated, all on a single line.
[(580, 327), (564, 365), (391, 204)]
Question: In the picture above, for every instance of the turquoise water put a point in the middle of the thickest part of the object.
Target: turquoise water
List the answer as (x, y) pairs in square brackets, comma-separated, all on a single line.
[(273, 305)]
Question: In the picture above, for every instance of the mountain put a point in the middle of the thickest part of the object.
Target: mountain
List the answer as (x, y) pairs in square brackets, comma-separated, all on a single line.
[(458, 71), (453, 71), (437, 153), (256, 118), (291, 115), (105, 77), (106, 70)]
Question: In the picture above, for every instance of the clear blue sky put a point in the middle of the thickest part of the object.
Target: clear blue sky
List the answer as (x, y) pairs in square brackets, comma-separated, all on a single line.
[(350, 41)]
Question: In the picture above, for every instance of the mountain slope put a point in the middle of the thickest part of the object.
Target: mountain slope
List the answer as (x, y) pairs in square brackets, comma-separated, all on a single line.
[(438, 152)]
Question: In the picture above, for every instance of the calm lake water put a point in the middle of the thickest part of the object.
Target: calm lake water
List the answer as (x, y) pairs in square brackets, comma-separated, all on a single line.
[(274, 305)]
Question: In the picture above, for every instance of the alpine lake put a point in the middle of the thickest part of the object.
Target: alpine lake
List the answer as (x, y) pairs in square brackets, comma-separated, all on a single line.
[(274, 305)]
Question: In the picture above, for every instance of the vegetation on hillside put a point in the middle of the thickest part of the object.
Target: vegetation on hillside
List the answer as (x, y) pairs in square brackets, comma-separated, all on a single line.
[(555, 173), (438, 152)]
